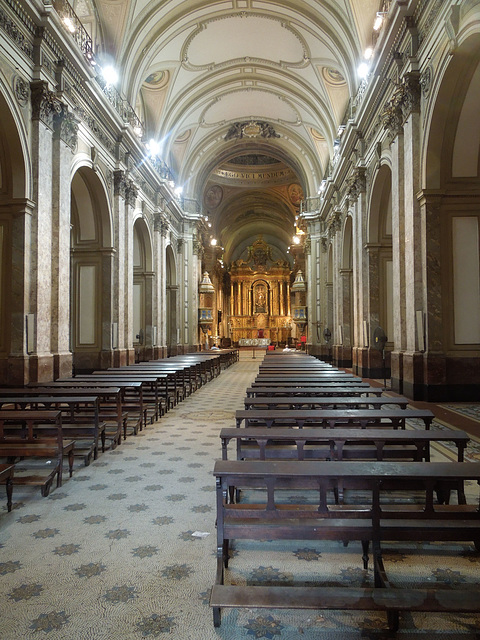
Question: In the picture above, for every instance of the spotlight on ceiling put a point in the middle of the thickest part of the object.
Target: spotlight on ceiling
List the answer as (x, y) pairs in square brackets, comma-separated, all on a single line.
[(153, 147), (363, 70), (110, 75), (213, 242)]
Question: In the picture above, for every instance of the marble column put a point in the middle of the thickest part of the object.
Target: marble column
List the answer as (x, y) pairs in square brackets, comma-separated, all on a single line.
[(45, 107), (64, 144), (120, 273)]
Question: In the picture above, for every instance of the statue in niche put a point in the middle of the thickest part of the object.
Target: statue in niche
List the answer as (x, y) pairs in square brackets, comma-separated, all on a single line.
[(260, 299)]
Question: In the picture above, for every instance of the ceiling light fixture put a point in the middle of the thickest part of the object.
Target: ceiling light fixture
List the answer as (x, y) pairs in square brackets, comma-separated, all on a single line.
[(363, 70), (110, 75)]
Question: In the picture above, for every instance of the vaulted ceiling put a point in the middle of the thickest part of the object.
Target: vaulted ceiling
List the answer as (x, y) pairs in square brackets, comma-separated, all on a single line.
[(200, 72)]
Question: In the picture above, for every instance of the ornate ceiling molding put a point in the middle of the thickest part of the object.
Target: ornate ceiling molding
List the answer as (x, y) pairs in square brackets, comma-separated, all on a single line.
[(301, 63)]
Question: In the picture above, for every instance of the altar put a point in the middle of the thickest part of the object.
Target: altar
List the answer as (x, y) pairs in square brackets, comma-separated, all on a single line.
[(260, 298), (253, 342)]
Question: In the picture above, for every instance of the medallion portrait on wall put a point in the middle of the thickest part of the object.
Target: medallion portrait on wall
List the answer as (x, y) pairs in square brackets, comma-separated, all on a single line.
[(295, 194), (22, 90), (213, 196)]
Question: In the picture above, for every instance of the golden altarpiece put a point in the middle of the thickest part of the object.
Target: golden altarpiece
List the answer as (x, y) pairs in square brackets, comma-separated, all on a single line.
[(260, 297)]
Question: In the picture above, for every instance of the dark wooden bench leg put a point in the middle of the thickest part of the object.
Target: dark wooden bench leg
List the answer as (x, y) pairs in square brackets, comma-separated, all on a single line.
[(217, 616), (9, 488), (365, 547)]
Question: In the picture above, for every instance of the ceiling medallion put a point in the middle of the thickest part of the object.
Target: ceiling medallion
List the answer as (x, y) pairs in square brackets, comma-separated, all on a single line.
[(251, 129)]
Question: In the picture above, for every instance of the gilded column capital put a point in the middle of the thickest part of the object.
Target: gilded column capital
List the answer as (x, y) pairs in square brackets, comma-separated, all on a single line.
[(411, 94), (45, 105), (66, 126), (131, 193), (307, 247), (119, 183), (198, 248)]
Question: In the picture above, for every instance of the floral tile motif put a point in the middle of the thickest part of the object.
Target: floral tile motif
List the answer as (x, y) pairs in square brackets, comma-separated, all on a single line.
[(45, 533), (155, 624), (352, 575), (9, 567), (208, 489), (448, 576), (28, 519), (264, 627), (175, 459), (117, 534), (25, 592), (134, 479), (153, 487), (161, 520), (94, 519), (121, 593), (130, 458), (188, 536), (52, 621), (79, 506), (176, 497), (177, 571), (147, 465), (117, 496), (270, 576), (195, 465), (147, 551), (394, 556), (66, 549), (307, 554), (91, 569), (60, 495), (202, 508), (116, 471), (186, 479), (137, 508), (98, 487), (164, 472)]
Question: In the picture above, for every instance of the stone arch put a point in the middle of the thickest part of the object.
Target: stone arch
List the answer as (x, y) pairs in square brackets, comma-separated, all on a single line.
[(379, 247), (16, 323), (143, 286), (93, 335), (451, 207), (172, 295)]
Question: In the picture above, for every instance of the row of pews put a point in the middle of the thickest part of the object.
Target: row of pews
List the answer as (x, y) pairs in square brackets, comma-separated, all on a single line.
[(318, 454), (80, 417)]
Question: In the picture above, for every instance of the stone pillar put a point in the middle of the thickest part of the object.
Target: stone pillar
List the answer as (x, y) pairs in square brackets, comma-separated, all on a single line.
[(160, 318), (64, 144), (120, 274), (413, 374), (45, 107), (393, 119), (130, 203)]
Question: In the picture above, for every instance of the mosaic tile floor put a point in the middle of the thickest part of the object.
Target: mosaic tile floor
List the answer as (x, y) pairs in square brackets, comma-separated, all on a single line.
[(126, 549)]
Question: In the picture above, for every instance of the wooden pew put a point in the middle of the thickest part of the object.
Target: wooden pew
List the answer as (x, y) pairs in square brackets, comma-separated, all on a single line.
[(114, 414), (334, 402), (132, 401), (6, 475), (112, 418), (80, 416), (319, 518), (273, 391), (337, 444), (332, 417), (29, 434)]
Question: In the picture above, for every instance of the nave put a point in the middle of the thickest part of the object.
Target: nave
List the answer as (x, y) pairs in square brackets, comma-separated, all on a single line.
[(126, 547)]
